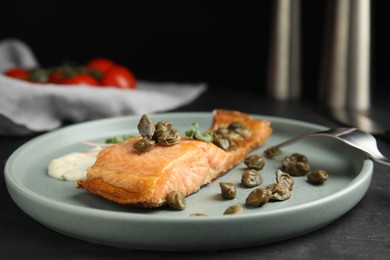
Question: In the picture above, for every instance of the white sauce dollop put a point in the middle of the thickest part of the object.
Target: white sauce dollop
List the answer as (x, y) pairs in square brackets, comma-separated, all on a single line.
[(73, 166)]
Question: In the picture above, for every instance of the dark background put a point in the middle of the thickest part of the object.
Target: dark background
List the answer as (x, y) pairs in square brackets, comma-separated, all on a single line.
[(223, 43)]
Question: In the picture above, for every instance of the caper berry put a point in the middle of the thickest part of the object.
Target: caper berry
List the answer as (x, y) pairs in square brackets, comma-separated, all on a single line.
[(255, 161), (234, 209), (272, 152), (228, 190), (284, 178), (143, 145), (251, 178), (278, 191), (257, 198), (176, 200), (146, 127), (317, 177)]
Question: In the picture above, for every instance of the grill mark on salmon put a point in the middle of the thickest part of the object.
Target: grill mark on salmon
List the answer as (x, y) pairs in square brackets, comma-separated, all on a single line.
[(122, 175)]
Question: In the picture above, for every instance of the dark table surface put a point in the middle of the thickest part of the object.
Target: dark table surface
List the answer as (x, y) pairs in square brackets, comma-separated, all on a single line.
[(362, 233)]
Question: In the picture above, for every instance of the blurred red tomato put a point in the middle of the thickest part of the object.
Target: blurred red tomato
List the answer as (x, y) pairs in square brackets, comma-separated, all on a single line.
[(56, 77), (18, 73), (100, 64), (120, 77), (81, 79)]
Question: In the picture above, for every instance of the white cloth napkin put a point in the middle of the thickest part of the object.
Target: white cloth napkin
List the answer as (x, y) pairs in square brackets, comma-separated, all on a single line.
[(27, 108)]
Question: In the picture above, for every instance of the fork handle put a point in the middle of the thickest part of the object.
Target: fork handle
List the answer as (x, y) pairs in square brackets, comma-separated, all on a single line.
[(293, 140)]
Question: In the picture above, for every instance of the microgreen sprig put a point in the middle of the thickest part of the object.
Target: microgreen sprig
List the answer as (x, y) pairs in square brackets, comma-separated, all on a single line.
[(195, 133), (117, 139)]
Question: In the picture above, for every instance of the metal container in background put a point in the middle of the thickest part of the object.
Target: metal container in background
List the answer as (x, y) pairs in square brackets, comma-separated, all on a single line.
[(345, 79), (284, 78)]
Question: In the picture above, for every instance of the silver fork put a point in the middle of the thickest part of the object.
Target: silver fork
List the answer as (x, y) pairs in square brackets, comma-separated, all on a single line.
[(354, 137)]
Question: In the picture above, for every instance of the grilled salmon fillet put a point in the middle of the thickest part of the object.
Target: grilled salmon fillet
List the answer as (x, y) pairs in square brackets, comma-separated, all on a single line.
[(123, 175)]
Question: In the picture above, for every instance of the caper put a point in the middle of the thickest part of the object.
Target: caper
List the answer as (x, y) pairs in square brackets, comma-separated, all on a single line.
[(198, 215), (143, 145), (278, 191), (163, 126), (165, 134), (224, 132), (251, 178), (223, 139), (239, 128), (234, 209), (297, 157), (221, 142), (229, 138), (317, 176), (146, 127), (235, 125), (296, 164), (284, 178), (228, 190), (257, 198), (169, 137), (235, 138), (176, 200), (255, 161), (272, 152), (294, 158), (296, 168)]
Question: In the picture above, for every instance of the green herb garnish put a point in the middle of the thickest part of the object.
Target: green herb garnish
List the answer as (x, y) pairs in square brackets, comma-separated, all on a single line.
[(197, 134), (118, 139)]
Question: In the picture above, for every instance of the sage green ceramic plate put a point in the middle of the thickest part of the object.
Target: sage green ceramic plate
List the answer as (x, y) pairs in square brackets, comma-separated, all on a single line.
[(60, 206)]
